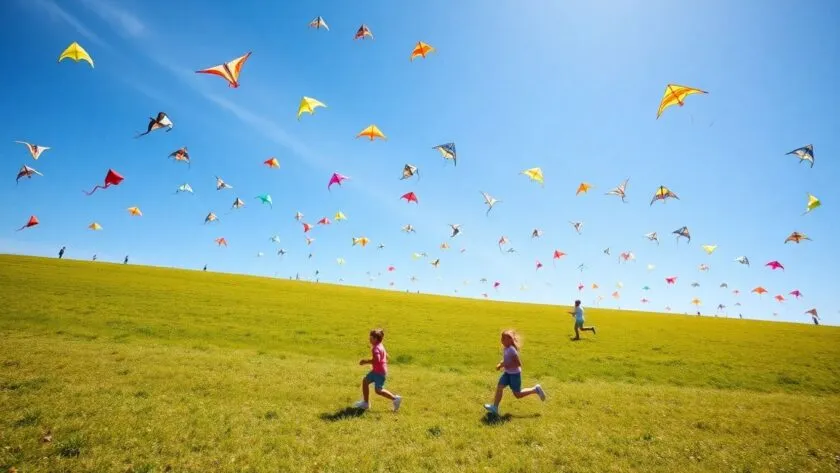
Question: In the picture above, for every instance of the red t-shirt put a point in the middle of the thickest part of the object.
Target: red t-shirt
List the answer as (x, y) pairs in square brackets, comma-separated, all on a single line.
[(380, 358)]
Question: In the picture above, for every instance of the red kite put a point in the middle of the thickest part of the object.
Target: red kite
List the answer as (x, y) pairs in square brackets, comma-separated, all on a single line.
[(33, 220), (410, 197), (671, 280), (759, 290), (775, 265), (228, 71), (306, 227), (779, 298), (272, 162), (112, 178)]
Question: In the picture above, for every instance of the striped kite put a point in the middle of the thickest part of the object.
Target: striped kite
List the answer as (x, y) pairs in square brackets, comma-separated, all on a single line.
[(662, 194), (675, 95), (228, 71), (805, 153)]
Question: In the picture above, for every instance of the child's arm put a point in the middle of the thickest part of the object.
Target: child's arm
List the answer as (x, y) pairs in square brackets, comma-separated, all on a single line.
[(365, 362)]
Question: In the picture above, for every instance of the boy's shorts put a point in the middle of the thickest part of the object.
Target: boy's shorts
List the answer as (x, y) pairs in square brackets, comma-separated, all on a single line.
[(378, 379), (578, 324), (514, 380)]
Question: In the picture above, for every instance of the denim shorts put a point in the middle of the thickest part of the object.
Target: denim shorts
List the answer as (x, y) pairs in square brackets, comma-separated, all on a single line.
[(378, 379), (514, 380)]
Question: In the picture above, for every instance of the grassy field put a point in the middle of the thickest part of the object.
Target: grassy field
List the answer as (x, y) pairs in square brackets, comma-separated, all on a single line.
[(134, 369)]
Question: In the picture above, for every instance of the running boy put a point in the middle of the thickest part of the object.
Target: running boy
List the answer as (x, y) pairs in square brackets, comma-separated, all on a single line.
[(578, 315), (377, 374)]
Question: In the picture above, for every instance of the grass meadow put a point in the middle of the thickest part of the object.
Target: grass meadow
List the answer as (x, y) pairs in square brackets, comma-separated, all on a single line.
[(121, 368)]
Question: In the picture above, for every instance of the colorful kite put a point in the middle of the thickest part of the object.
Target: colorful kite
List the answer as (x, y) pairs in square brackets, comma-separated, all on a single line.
[(161, 121), (33, 220), (795, 293), (583, 187), (759, 290), (211, 217), (410, 197), (27, 172), (95, 226), (489, 201), (503, 241), (221, 184), (34, 150), (221, 241), (228, 71), (620, 191), (652, 237), (796, 237), (135, 212), (709, 249), (813, 203), (336, 178), (308, 105), (181, 155), (805, 153), (265, 199), (363, 241), (535, 174), (743, 260), (238, 203), (323, 221), (306, 227), (447, 150), (662, 194), (675, 95), (76, 53), (112, 178), (372, 132), (779, 298), (363, 32), (272, 162), (421, 50), (436, 263), (774, 265), (682, 232), (319, 23), (671, 280), (410, 170), (339, 216)]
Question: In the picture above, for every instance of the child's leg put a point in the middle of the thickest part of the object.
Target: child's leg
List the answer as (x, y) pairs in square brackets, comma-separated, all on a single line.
[(525, 392), (589, 329), (385, 393), (365, 389), (500, 390), (577, 333)]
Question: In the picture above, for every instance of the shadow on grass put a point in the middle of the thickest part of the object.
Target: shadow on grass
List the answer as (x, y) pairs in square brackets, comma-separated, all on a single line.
[(494, 419), (346, 413)]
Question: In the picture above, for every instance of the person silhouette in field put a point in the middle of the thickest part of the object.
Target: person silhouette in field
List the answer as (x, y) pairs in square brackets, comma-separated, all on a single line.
[(513, 373), (61, 252), (378, 372), (125, 261), (577, 313)]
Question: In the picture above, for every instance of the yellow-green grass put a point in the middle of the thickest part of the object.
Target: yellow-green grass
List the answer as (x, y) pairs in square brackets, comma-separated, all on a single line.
[(147, 369)]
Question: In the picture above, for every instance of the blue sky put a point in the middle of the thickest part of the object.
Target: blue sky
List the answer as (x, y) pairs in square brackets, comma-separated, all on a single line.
[(571, 87)]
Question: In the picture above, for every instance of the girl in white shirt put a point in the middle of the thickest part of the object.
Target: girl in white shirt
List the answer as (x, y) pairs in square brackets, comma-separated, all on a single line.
[(513, 373)]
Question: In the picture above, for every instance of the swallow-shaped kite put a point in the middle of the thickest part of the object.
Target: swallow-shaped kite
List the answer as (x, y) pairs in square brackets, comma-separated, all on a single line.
[(112, 178), (774, 265), (620, 191), (652, 237), (534, 174), (265, 199), (675, 95), (813, 202), (363, 241), (796, 237), (135, 212), (363, 33), (33, 220), (410, 170), (184, 188), (161, 121), (211, 217), (578, 226), (421, 50), (410, 197), (34, 150), (805, 153), (489, 201), (743, 260), (27, 172), (275, 239), (695, 284), (95, 226), (795, 293), (272, 162), (456, 229), (76, 53), (372, 132), (308, 105), (221, 241), (181, 155), (319, 23), (662, 194), (583, 187), (221, 184), (536, 233), (228, 71), (682, 232), (238, 203), (447, 150), (709, 249)]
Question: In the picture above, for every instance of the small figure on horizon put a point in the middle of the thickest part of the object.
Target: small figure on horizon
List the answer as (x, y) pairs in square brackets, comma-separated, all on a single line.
[(125, 261), (205, 268), (61, 252), (577, 313), (94, 258), (513, 373)]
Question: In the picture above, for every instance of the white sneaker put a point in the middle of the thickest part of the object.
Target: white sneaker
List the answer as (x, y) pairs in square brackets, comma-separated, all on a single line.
[(492, 409), (540, 392), (361, 405), (397, 402)]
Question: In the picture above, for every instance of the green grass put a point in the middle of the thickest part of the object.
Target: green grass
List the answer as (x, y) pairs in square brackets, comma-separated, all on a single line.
[(142, 369)]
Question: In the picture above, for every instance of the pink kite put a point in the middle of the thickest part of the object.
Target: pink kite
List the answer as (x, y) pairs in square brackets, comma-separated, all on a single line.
[(671, 280), (539, 265), (306, 227), (775, 265), (336, 179), (112, 178), (33, 220), (780, 298), (795, 293), (410, 197)]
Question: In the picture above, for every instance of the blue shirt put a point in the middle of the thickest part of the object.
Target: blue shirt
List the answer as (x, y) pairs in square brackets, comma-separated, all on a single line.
[(578, 314)]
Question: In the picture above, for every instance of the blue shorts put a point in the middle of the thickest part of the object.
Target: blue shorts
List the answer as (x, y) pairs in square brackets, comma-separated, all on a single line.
[(378, 380), (578, 323), (514, 380)]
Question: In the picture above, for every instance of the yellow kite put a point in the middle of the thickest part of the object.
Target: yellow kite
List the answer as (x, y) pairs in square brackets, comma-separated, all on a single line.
[(308, 105), (135, 212), (813, 202), (583, 187), (372, 132), (421, 50), (76, 53), (675, 95), (361, 241), (535, 174), (95, 226), (709, 249), (339, 216)]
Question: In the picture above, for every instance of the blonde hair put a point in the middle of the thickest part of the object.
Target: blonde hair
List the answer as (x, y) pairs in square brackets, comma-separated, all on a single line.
[(515, 338)]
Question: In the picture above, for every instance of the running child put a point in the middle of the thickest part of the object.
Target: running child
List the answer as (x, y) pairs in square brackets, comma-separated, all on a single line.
[(513, 373), (578, 315), (378, 372)]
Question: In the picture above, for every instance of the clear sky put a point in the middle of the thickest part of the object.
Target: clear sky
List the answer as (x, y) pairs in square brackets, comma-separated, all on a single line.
[(571, 87)]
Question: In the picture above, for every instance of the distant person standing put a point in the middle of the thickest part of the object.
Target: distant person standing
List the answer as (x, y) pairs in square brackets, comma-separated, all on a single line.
[(578, 315), (61, 252), (94, 257), (205, 268), (125, 261)]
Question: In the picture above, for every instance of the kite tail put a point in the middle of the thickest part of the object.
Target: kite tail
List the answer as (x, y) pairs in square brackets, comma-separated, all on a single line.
[(94, 189)]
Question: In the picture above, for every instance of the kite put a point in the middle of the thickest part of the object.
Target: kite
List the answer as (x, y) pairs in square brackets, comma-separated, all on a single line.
[(671, 280), (221, 241), (696, 301), (539, 265), (456, 230), (796, 237), (298, 216), (581, 267), (651, 267), (306, 227), (372, 132), (228, 71), (112, 178), (421, 50), (759, 290), (161, 121), (444, 246), (275, 239), (535, 174), (363, 32), (181, 155), (578, 226), (814, 316), (743, 260), (490, 201), (34, 150), (135, 212), (319, 23), (309, 243), (813, 203), (536, 233), (774, 265), (436, 263), (503, 241), (675, 95), (779, 298), (594, 285), (33, 220), (703, 267), (76, 53), (408, 228), (695, 284), (281, 252), (308, 105), (447, 150), (184, 188), (221, 184), (724, 285), (644, 301), (410, 170), (682, 232), (339, 216), (238, 203), (410, 197), (583, 187), (323, 221), (607, 251), (27, 172), (795, 293), (265, 199), (340, 261), (260, 254), (336, 178), (380, 246), (626, 256), (709, 249), (721, 307), (557, 255), (211, 217), (616, 295), (662, 194), (95, 226), (805, 153), (646, 288), (272, 162), (620, 191), (652, 237), (360, 241)]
